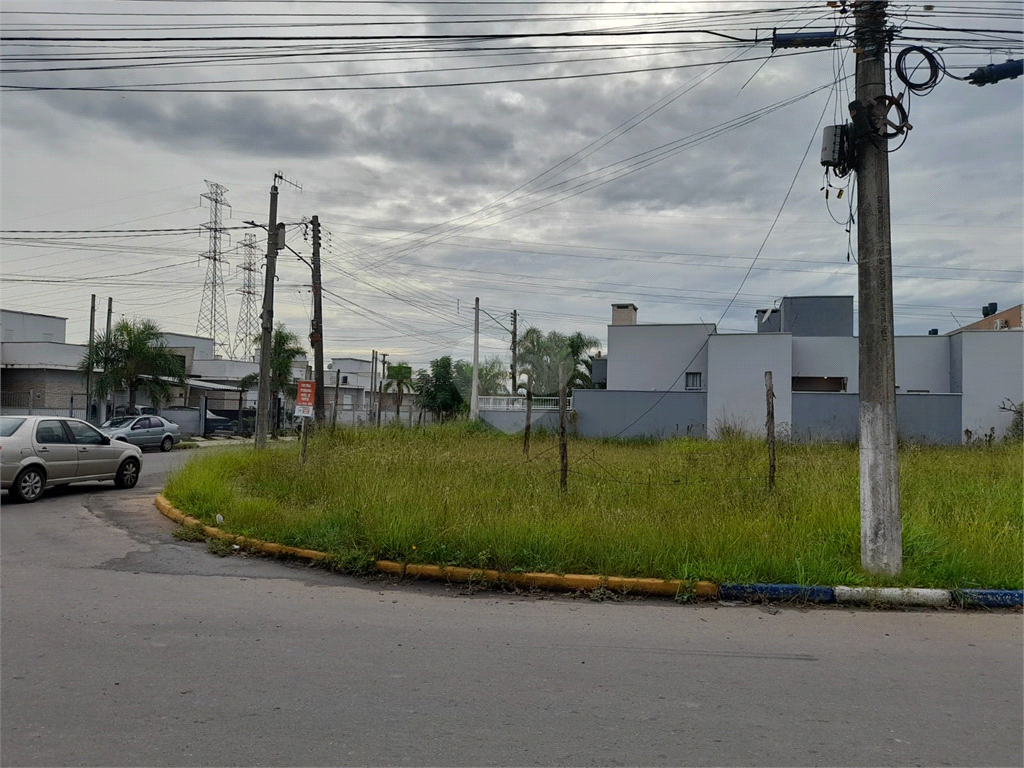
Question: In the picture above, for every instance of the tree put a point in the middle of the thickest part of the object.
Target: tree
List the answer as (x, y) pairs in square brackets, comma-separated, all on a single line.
[(541, 357), (400, 379), (492, 376), (285, 346), (436, 391), (134, 356)]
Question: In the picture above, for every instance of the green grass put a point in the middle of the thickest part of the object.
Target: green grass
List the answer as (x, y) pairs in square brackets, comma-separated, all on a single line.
[(677, 509)]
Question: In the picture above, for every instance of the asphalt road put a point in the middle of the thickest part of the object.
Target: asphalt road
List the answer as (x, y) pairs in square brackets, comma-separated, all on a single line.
[(123, 646)]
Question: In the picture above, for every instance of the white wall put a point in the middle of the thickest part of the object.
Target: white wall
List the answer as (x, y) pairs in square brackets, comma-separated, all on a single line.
[(993, 371), (922, 363), (203, 347), (28, 326), (649, 358), (826, 356), (42, 354), (736, 392), (230, 370), (357, 371)]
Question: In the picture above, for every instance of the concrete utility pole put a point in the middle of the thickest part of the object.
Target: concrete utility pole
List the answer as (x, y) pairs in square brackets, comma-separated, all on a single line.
[(110, 319), (88, 379), (371, 411), (263, 405), (515, 349), (380, 384), (881, 528), (316, 338), (474, 394)]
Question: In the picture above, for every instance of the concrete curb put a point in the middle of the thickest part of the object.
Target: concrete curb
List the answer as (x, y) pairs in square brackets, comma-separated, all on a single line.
[(895, 597)]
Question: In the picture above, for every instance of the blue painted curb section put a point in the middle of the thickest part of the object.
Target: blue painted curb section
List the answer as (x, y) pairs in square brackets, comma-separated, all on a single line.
[(990, 598), (776, 592), (879, 596)]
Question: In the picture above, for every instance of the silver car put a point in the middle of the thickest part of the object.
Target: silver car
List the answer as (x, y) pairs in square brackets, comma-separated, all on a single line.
[(143, 431), (37, 452)]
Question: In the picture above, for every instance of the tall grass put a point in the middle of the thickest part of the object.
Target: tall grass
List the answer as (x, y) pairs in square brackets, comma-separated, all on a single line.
[(685, 508)]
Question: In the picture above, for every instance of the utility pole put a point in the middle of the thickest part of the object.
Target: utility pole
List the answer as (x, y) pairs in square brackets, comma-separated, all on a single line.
[(92, 364), (110, 319), (316, 338), (380, 384), (263, 405), (371, 410), (515, 349), (474, 393), (881, 529), (337, 386)]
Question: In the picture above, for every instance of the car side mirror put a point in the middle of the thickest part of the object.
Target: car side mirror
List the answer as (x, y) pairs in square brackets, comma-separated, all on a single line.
[(106, 440)]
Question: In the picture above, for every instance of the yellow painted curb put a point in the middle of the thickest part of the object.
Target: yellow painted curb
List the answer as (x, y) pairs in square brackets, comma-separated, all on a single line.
[(568, 582)]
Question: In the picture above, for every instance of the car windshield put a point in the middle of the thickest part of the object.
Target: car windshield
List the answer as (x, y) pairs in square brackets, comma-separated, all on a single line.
[(9, 425), (123, 421)]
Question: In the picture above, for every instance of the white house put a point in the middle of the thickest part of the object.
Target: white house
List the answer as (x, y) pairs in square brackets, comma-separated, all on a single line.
[(669, 379)]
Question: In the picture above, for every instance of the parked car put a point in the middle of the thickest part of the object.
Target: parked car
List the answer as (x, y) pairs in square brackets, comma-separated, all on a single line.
[(38, 452), (215, 423), (138, 410), (143, 431)]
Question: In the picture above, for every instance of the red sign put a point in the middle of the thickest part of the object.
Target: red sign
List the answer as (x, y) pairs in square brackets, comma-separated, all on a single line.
[(305, 394)]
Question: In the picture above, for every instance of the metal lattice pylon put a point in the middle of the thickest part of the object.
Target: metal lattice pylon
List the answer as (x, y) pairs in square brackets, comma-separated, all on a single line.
[(248, 327), (213, 313)]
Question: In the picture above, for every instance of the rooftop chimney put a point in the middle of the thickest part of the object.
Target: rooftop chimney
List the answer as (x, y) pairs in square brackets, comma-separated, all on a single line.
[(623, 314), (991, 309)]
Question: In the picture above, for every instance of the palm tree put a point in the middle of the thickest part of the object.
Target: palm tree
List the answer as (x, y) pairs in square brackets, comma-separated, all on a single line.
[(399, 378), (532, 364), (545, 359), (134, 356), (284, 348)]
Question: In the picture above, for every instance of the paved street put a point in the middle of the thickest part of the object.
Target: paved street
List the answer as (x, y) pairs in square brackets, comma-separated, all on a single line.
[(122, 646)]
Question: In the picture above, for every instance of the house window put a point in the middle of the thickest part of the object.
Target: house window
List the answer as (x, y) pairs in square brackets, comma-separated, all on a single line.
[(344, 379), (693, 380), (819, 384)]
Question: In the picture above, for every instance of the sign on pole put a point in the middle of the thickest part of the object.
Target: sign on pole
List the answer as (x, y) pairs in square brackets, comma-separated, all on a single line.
[(304, 398)]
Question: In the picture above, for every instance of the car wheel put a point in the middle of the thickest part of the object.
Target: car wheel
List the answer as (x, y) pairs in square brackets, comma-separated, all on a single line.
[(29, 484), (167, 443), (127, 474)]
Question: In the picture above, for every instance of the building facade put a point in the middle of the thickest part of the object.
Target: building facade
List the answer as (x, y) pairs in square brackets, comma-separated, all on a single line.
[(689, 379)]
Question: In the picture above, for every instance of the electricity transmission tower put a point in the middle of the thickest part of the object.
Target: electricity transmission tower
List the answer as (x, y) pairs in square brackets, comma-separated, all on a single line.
[(248, 327), (213, 314)]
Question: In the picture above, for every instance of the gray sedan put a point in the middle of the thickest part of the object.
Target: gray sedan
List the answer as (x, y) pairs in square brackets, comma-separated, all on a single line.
[(37, 452), (143, 431)]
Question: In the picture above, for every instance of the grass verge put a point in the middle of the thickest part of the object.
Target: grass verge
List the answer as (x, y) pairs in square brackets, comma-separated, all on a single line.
[(678, 509)]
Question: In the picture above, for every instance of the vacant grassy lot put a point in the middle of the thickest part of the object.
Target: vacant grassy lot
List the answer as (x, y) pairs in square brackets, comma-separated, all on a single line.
[(678, 509)]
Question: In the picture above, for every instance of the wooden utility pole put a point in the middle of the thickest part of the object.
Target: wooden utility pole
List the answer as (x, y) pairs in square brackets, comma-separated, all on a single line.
[(881, 531), (263, 404), (563, 446), (769, 423), (474, 392), (316, 337)]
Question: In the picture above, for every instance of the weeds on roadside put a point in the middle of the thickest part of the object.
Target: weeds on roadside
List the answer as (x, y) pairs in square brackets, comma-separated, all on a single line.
[(682, 508), (189, 533)]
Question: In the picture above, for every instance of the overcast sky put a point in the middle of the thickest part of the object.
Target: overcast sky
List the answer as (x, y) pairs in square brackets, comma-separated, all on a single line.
[(529, 194)]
